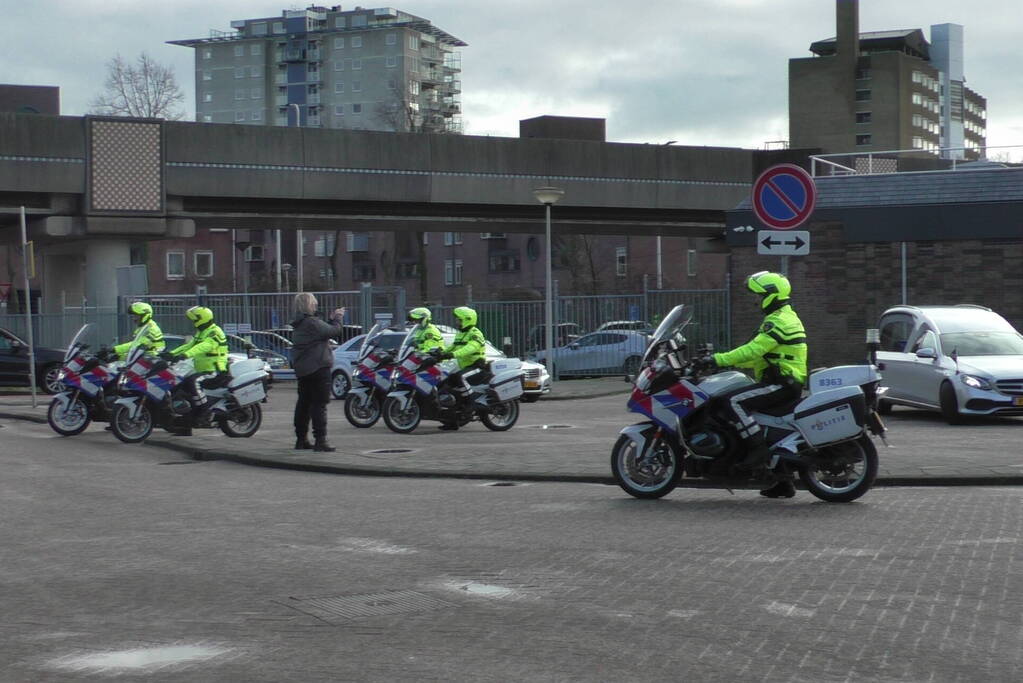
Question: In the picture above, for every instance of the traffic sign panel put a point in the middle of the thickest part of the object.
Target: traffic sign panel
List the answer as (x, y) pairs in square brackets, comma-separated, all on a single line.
[(784, 196), (782, 243)]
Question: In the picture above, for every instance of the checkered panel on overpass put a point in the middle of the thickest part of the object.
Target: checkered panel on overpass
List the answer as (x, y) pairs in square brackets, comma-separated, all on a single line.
[(125, 166)]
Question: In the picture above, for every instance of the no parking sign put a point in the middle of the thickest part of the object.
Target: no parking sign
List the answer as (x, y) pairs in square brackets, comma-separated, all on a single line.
[(784, 196)]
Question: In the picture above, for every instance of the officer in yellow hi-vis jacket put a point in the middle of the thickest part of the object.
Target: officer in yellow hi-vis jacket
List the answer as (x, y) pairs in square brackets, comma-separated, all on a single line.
[(208, 351), (427, 336), (469, 349), (777, 357), (152, 337)]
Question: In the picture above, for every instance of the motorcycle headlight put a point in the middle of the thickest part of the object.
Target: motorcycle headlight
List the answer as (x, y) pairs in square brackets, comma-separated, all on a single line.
[(976, 382), (61, 375), (121, 381)]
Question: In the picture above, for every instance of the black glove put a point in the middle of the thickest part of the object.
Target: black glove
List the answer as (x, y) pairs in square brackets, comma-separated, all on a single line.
[(445, 355), (705, 363)]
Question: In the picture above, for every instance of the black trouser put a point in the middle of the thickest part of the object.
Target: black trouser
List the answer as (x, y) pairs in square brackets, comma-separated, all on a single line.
[(313, 397), (454, 380), (738, 405), (193, 385)]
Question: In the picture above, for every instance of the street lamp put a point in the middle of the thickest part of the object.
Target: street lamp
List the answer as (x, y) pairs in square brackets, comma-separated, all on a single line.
[(549, 196), (299, 240)]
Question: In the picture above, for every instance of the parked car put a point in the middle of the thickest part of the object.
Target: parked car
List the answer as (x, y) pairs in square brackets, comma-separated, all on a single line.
[(14, 366), (641, 326), (536, 381), (599, 353), (960, 360), (564, 333)]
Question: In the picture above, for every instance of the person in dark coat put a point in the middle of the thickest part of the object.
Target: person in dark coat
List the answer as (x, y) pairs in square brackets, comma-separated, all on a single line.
[(312, 360)]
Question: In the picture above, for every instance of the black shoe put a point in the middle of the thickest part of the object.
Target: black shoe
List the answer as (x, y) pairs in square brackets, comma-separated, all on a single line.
[(448, 427), (302, 444), (322, 446), (783, 489)]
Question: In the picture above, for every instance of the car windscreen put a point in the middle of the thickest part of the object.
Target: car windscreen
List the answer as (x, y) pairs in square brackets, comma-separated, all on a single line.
[(983, 343)]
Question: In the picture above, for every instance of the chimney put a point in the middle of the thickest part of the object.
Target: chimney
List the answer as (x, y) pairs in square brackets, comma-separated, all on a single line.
[(847, 41)]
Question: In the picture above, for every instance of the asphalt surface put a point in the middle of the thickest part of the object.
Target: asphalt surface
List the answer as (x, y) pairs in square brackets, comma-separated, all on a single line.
[(565, 437), (133, 564)]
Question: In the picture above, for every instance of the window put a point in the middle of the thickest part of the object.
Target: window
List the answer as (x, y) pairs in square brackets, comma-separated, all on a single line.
[(505, 263), (426, 238), (339, 22), (862, 95), (356, 41), (259, 30), (927, 340), (207, 75), (691, 263), (239, 116), (453, 271), (278, 27), (339, 87), (363, 272), (203, 263), (863, 117), (257, 116), (413, 42), (862, 74), (339, 43), (339, 65), (413, 87), (207, 97), (356, 86), (862, 139), (357, 108), (207, 53), (239, 94), (239, 72), (451, 238), (621, 261), (324, 246), (256, 71), (239, 50), (391, 84), (339, 110), (918, 98), (406, 270), (356, 64), (175, 265), (257, 93), (358, 20), (391, 61), (391, 39), (207, 118), (256, 49)]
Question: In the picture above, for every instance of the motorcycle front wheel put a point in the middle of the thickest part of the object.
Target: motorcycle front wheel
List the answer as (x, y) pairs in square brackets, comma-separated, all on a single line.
[(501, 417), (843, 472), (402, 421), (131, 430), (242, 422), (362, 413), (69, 421), (652, 474)]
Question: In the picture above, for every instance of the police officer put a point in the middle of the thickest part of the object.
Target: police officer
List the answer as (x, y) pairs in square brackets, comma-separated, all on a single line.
[(777, 356), (468, 348), (208, 351), (427, 336), (152, 336)]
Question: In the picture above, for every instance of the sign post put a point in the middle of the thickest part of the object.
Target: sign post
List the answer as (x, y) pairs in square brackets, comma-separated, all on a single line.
[(28, 308)]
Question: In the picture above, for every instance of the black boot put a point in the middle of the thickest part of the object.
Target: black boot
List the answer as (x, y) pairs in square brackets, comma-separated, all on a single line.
[(322, 446), (302, 444), (448, 427), (783, 489)]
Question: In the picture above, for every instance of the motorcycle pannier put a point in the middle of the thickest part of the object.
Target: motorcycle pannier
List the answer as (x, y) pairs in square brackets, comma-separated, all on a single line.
[(248, 388), (831, 416)]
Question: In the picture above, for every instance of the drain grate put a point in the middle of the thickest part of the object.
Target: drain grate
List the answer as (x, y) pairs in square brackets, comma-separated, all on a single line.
[(348, 607)]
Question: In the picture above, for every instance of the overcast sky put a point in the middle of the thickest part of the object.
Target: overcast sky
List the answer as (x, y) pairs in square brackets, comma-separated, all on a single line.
[(700, 72)]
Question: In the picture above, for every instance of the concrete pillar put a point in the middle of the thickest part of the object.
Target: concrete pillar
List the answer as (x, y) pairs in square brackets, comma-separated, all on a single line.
[(102, 257)]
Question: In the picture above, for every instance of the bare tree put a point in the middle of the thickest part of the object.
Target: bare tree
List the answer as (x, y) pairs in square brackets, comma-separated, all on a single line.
[(145, 89)]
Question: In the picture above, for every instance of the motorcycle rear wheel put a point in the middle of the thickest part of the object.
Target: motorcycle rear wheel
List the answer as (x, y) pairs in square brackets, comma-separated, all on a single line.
[(72, 420), (243, 422), (501, 417), (362, 414), (402, 421), (653, 474), (131, 430), (844, 472)]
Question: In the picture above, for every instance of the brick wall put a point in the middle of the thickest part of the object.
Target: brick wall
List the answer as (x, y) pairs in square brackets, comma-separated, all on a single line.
[(842, 288)]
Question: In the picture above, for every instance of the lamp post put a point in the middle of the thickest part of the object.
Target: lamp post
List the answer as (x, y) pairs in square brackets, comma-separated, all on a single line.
[(299, 240), (548, 196)]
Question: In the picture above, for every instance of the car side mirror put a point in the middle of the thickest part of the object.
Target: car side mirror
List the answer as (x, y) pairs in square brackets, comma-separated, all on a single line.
[(926, 352), (16, 346)]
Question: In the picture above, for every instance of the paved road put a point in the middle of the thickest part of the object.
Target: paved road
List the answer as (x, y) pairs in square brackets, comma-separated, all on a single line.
[(132, 564), (568, 440)]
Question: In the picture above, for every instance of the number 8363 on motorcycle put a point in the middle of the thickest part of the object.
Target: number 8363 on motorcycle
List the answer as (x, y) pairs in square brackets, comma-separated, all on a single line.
[(823, 437)]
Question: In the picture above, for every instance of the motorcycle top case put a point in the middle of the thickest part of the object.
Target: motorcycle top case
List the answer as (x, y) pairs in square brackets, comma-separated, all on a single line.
[(842, 376), (831, 416)]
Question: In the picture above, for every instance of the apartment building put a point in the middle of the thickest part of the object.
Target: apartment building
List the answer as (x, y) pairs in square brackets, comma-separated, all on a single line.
[(885, 90), (365, 69)]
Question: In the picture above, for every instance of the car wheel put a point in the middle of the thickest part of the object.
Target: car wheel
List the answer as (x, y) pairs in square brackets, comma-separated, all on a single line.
[(49, 379), (339, 385), (949, 404)]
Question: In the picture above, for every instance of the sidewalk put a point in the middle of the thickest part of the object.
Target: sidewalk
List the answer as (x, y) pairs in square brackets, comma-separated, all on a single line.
[(529, 452)]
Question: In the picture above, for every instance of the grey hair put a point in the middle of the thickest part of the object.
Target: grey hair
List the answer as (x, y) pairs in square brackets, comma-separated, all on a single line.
[(305, 303)]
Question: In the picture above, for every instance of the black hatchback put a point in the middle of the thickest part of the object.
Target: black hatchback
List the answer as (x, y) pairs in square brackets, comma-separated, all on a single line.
[(14, 369)]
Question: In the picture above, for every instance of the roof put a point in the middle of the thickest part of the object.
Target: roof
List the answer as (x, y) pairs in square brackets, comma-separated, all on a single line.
[(910, 38), (421, 25), (960, 318)]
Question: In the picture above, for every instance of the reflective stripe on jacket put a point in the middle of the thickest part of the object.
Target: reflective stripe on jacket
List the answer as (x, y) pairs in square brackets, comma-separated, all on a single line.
[(780, 344), (208, 349), (152, 340), (468, 347)]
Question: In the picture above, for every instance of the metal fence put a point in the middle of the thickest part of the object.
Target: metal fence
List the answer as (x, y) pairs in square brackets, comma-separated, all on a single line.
[(56, 330)]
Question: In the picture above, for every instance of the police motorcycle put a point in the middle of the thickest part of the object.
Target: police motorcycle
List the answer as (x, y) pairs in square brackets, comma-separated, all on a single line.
[(823, 437), (151, 395), (89, 386), (372, 376), (419, 392)]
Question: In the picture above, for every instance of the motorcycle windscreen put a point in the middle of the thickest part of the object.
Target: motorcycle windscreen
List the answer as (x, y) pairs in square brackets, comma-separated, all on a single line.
[(79, 339), (671, 327)]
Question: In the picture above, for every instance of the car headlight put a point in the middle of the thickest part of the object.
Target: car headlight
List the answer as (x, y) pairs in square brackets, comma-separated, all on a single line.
[(976, 382)]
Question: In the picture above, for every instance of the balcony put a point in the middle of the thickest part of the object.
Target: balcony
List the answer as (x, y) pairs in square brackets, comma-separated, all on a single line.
[(293, 54), (313, 55), (313, 78)]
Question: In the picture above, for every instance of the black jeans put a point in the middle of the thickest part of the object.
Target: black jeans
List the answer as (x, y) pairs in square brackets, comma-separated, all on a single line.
[(313, 397)]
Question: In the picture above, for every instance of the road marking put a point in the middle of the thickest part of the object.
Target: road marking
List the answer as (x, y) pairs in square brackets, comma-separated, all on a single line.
[(149, 658), (785, 610), (371, 545)]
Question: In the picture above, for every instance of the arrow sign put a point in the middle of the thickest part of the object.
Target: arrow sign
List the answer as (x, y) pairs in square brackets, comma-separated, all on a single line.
[(783, 242)]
